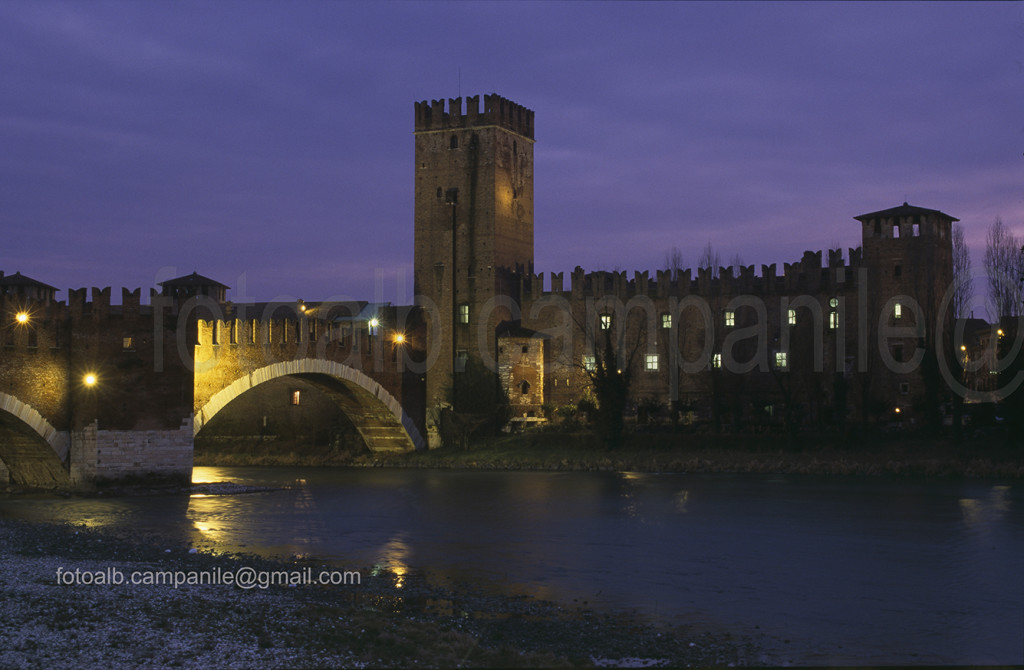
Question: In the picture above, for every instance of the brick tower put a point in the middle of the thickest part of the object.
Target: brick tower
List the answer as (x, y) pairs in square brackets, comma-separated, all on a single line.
[(908, 253), (474, 226)]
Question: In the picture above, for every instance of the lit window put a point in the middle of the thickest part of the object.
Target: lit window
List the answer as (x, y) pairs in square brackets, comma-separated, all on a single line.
[(897, 311), (128, 344), (833, 302), (464, 313), (716, 361), (461, 357), (651, 362), (780, 360), (606, 321), (730, 318), (833, 320), (792, 317), (666, 320), (589, 364), (295, 397)]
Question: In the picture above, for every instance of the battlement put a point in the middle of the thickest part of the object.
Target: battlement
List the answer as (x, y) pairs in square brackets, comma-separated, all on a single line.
[(497, 111), (808, 275)]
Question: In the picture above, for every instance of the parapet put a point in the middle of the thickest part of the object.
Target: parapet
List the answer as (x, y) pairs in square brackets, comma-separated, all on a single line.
[(497, 111), (808, 275)]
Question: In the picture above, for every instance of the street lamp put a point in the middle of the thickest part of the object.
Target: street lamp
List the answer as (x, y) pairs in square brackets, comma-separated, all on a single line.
[(90, 379), (21, 317)]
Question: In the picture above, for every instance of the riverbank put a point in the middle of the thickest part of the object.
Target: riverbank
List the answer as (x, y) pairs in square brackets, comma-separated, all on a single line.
[(385, 620), (673, 452)]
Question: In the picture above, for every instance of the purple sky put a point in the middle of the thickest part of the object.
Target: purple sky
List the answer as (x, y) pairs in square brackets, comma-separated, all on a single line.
[(273, 140)]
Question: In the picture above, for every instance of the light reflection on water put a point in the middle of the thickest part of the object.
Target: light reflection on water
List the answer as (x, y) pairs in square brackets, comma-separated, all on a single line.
[(850, 571)]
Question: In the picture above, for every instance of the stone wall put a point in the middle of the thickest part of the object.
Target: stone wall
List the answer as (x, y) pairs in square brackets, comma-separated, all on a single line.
[(113, 454)]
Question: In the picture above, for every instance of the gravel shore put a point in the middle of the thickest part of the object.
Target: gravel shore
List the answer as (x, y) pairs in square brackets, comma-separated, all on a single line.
[(48, 622)]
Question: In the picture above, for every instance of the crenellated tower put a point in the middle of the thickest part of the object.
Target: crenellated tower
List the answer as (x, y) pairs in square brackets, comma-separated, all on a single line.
[(908, 256), (473, 223)]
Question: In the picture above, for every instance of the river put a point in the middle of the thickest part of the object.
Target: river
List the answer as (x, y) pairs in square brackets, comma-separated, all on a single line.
[(824, 571)]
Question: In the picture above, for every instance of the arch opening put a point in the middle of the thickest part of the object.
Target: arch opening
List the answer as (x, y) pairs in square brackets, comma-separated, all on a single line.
[(29, 446), (365, 411)]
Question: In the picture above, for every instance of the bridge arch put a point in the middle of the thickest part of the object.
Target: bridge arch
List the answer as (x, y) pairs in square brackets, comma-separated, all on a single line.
[(31, 448), (377, 415)]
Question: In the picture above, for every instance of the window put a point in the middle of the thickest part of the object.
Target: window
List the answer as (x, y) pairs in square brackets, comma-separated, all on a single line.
[(833, 320), (461, 356), (651, 363), (792, 317), (904, 388), (295, 397), (453, 143), (589, 364), (666, 320), (524, 387), (606, 321), (730, 317), (464, 313), (897, 270), (128, 344), (781, 361), (716, 361), (897, 353), (526, 348), (897, 311), (896, 231), (916, 232), (833, 302)]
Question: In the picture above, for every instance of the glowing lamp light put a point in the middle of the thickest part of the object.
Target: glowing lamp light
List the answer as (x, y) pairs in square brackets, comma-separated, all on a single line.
[(897, 410), (399, 338), (21, 317), (89, 379), (999, 332), (963, 347), (374, 322)]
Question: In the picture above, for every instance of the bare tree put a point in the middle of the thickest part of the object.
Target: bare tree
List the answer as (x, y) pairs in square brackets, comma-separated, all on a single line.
[(710, 259), (963, 283), (736, 264), (674, 263), (1004, 268)]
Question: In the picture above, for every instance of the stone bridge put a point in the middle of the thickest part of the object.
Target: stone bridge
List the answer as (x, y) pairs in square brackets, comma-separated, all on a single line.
[(93, 391)]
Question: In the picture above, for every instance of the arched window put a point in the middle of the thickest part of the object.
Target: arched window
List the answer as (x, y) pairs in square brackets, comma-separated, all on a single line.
[(453, 143), (524, 387)]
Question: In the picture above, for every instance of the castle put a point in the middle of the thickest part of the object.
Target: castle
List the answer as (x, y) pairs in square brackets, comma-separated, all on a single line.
[(828, 339), (91, 390)]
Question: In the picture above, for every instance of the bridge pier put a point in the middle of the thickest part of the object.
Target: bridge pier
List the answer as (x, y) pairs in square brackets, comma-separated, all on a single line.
[(98, 455)]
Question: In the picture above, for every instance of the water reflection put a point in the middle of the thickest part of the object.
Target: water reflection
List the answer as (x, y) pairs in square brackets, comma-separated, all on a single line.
[(980, 512), (394, 558)]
